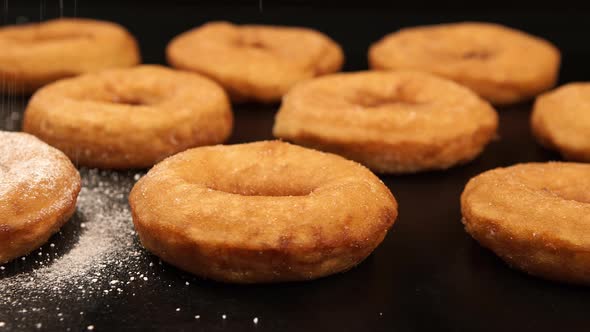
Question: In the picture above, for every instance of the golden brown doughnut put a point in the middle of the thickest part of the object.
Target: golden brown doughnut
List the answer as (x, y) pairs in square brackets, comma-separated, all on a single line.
[(39, 187), (501, 64), (392, 122), (32, 55), (561, 120), (261, 212), (129, 118), (255, 62), (534, 216)]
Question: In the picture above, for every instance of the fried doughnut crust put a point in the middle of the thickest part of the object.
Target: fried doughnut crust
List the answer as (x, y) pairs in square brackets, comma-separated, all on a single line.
[(255, 62), (534, 216), (261, 212), (129, 118), (39, 188), (561, 121), (36, 54), (501, 64), (392, 122)]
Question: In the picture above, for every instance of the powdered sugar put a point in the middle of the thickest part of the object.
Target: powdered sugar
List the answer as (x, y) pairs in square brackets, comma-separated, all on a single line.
[(97, 256), (26, 162)]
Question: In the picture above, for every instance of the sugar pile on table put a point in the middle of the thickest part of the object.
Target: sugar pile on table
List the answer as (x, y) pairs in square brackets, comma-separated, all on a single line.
[(103, 249)]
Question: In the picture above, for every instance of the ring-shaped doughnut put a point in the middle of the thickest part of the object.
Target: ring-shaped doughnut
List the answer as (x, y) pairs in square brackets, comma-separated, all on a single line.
[(255, 62), (39, 188), (129, 118), (392, 122), (261, 212), (535, 216), (561, 120), (501, 64), (36, 54)]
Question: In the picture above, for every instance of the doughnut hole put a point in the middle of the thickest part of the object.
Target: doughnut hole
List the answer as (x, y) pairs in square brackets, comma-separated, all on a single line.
[(250, 41), (259, 185), (399, 95), (133, 94), (477, 55)]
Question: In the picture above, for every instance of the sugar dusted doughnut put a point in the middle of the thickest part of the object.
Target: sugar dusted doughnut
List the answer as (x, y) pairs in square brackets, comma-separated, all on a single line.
[(501, 64), (39, 187), (255, 62), (534, 216), (129, 118), (261, 212), (561, 120), (32, 55), (392, 122)]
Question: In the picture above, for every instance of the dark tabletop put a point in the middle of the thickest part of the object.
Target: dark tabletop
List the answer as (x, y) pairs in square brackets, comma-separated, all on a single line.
[(427, 275)]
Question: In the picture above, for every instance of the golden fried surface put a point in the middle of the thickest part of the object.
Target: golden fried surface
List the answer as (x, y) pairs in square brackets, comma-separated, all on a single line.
[(392, 122), (33, 55), (261, 212), (255, 62), (501, 64), (129, 118), (39, 187), (534, 216), (561, 120)]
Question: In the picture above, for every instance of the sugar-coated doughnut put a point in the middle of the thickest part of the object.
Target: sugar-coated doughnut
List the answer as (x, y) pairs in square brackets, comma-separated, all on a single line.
[(255, 62), (561, 120), (261, 212), (39, 188), (392, 122), (501, 64), (129, 118), (534, 216), (32, 55)]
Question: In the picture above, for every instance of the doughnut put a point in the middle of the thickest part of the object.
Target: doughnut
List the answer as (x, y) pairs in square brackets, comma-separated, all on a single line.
[(130, 117), (33, 55), (39, 187), (392, 122), (501, 64), (255, 62), (261, 212), (561, 121), (534, 216)]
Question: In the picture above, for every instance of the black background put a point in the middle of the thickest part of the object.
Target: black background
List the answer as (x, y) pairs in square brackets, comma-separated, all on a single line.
[(428, 274)]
